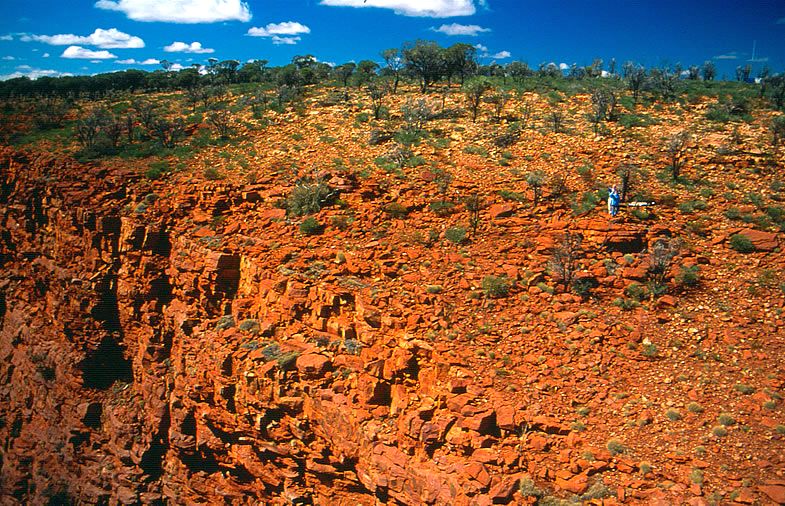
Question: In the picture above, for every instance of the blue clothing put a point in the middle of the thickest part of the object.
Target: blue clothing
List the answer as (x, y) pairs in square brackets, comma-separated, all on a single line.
[(613, 202)]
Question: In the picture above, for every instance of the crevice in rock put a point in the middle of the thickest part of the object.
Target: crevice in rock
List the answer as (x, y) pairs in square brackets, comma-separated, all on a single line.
[(105, 364), (152, 459)]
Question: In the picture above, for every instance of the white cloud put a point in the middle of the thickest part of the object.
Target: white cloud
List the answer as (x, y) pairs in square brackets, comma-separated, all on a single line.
[(502, 55), (419, 8), (87, 54), (285, 28), (182, 47), (45, 55), (458, 29), (176, 67), (285, 40), (106, 39), (7, 37), (728, 56), (131, 61), (180, 11), (481, 48), (26, 71), (8, 58), (563, 66)]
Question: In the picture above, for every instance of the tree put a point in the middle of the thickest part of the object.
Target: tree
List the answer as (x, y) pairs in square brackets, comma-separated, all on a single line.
[(535, 180), (498, 99), (377, 90), (519, 71), (474, 90), (635, 75), (708, 70), (564, 260), (627, 173), (394, 62), (366, 71), (220, 118), (661, 256), (676, 147), (344, 72), (603, 102), (425, 59), (460, 60), (693, 73), (777, 128)]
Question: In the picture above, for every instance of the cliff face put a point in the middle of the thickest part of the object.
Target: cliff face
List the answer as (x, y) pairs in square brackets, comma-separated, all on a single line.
[(140, 365), (167, 343)]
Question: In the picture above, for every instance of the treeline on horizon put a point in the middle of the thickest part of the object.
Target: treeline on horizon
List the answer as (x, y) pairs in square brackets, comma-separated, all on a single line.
[(423, 62)]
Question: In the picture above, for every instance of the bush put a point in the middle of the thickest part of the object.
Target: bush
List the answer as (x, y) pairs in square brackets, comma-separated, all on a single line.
[(309, 196), (212, 174), (396, 210), (455, 234), (156, 170), (495, 287), (310, 226), (741, 243), (688, 276)]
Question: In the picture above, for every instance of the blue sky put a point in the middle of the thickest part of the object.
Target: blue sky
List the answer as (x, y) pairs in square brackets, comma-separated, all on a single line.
[(53, 37)]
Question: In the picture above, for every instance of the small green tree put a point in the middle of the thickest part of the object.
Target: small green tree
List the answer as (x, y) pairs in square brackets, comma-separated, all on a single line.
[(536, 180), (474, 90), (564, 260), (676, 147)]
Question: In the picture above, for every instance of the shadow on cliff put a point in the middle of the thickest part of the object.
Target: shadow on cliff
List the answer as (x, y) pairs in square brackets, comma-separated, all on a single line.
[(107, 362)]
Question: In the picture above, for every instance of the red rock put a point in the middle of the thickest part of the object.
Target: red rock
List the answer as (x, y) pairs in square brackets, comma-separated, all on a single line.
[(312, 365), (483, 422), (497, 211), (576, 484), (477, 472), (774, 492), (502, 492), (505, 417), (763, 241)]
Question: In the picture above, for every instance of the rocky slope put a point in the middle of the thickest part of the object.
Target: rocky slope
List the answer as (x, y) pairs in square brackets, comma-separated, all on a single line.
[(180, 341)]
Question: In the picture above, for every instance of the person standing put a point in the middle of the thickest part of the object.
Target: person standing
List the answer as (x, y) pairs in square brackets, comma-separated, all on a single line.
[(613, 201)]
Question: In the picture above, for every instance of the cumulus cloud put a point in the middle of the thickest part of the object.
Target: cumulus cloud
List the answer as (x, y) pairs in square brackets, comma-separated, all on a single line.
[(182, 47), (27, 71), (502, 55), (418, 8), (45, 55), (7, 37), (458, 29), (131, 61), (8, 58), (180, 11), (106, 39), (564, 66), (87, 54), (285, 40), (284, 28), (176, 67), (481, 48)]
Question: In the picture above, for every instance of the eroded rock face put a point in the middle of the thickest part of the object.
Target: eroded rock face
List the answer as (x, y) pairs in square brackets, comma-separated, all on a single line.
[(151, 357)]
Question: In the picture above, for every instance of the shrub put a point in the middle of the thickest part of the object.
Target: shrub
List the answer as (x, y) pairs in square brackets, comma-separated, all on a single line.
[(512, 196), (744, 389), (225, 322), (310, 226), (726, 420), (694, 407), (212, 174), (673, 415), (250, 326), (156, 170), (455, 234), (441, 207), (495, 287), (741, 243), (396, 210), (688, 276), (433, 289), (615, 447), (584, 286), (309, 196), (719, 431)]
